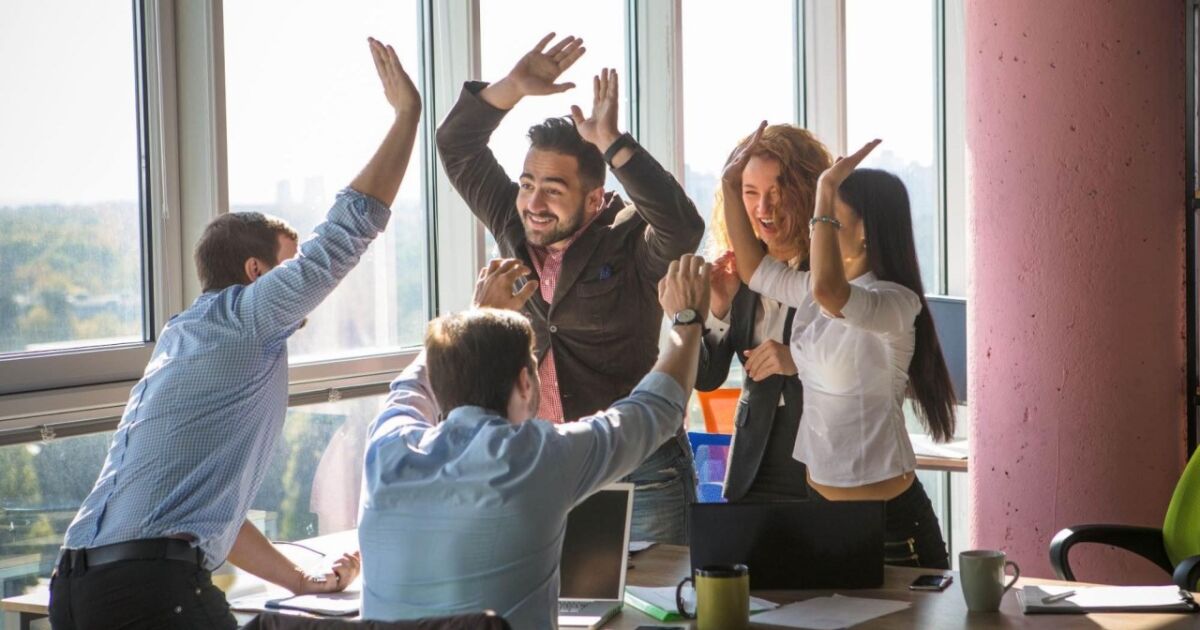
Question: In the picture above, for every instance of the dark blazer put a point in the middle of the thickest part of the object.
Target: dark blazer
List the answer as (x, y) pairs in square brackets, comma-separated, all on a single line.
[(604, 320), (757, 405)]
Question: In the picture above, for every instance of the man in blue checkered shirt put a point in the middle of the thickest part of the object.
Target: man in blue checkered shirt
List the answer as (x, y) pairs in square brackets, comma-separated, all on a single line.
[(192, 447)]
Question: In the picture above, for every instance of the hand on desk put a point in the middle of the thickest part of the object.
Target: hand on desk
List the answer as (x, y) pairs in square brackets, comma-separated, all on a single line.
[(344, 571)]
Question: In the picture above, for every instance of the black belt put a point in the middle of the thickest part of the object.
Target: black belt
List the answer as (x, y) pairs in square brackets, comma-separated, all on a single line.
[(149, 549)]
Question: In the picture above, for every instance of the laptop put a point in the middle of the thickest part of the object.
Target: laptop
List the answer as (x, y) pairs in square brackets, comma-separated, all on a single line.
[(792, 544), (595, 555)]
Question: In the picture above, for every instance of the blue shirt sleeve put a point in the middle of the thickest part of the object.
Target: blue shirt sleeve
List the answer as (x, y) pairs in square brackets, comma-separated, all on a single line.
[(598, 450), (275, 303)]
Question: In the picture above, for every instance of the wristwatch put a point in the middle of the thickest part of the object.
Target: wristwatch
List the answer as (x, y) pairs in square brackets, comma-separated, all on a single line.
[(685, 317)]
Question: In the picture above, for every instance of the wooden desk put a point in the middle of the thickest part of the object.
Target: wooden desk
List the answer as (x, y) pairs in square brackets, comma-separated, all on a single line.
[(945, 464), (665, 565)]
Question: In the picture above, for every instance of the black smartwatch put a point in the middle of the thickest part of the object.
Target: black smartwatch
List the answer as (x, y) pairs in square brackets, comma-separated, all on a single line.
[(622, 141)]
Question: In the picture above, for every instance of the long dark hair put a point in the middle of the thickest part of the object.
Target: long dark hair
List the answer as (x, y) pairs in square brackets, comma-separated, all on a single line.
[(881, 200)]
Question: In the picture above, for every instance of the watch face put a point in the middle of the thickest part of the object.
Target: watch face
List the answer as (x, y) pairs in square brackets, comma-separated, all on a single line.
[(686, 316)]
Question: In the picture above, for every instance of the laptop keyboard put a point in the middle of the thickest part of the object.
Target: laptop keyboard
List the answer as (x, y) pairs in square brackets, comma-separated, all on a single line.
[(570, 608)]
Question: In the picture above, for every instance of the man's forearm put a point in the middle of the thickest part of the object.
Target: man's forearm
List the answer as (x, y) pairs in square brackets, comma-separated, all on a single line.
[(681, 355), (382, 175), (254, 554), (502, 94)]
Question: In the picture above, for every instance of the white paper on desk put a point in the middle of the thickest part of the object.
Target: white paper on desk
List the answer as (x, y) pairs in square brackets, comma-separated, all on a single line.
[(829, 613), (664, 598), (1102, 598), (924, 446), (636, 546)]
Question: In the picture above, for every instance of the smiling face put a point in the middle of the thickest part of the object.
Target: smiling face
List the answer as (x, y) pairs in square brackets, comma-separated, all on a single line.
[(761, 195), (551, 201)]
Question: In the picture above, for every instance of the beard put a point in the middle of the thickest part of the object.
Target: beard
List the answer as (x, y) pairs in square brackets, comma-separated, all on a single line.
[(560, 230)]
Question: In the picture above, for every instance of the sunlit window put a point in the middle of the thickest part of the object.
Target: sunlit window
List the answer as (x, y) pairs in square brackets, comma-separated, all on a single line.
[(727, 90), (70, 200), (891, 82), (304, 114)]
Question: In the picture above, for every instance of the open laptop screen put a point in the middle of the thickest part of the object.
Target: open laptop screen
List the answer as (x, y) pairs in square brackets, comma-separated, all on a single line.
[(595, 546)]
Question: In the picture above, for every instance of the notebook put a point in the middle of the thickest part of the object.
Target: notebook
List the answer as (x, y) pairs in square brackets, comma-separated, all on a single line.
[(1089, 599)]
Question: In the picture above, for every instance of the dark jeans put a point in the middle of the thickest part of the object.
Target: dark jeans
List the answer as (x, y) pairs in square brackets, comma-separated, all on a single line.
[(912, 536), (664, 486), (136, 594)]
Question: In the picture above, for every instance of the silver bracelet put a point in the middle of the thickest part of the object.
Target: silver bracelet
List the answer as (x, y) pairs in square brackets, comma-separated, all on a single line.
[(830, 220)]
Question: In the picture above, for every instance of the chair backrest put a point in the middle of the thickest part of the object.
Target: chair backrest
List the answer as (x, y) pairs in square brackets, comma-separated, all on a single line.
[(1181, 527), (719, 407)]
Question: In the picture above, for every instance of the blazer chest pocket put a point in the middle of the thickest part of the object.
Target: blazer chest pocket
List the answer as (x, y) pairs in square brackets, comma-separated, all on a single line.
[(595, 288)]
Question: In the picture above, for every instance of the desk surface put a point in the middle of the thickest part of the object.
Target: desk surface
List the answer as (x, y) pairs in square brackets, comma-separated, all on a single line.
[(664, 565)]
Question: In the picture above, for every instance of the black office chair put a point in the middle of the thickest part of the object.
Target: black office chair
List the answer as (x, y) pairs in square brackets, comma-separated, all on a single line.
[(474, 621), (1175, 548)]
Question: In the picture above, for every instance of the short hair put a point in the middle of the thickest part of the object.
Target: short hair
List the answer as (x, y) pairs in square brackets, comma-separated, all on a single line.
[(475, 357), (560, 136), (232, 238)]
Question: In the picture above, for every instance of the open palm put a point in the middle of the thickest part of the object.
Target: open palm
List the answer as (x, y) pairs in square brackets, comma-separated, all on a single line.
[(537, 71)]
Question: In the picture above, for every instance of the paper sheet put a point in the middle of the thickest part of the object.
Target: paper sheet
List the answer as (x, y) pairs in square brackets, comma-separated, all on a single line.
[(829, 613), (1102, 598)]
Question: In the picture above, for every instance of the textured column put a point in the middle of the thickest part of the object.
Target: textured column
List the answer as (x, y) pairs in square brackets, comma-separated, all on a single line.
[(1075, 145)]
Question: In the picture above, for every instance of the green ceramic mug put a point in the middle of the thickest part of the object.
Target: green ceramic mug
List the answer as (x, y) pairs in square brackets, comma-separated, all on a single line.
[(722, 597)]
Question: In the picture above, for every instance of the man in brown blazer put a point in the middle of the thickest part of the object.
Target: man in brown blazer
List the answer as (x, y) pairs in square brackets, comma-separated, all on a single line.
[(597, 259)]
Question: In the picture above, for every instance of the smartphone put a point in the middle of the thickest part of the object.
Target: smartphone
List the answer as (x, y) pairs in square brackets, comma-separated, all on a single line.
[(930, 583)]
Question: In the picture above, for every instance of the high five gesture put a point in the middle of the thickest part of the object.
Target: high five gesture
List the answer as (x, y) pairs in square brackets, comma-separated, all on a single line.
[(536, 72)]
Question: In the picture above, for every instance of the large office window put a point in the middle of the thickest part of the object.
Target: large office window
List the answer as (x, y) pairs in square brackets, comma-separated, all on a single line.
[(727, 90), (305, 112), (891, 93), (71, 266)]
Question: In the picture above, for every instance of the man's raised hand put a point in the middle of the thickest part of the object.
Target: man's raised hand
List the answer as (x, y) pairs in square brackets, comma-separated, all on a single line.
[(601, 128), (686, 285), (494, 288), (399, 89)]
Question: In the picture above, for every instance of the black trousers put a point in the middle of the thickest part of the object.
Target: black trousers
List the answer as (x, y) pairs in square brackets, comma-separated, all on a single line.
[(136, 594), (912, 536)]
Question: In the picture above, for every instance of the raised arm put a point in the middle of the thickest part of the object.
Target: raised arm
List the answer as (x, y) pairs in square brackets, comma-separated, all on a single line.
[(830, 287), (279, 300), (463, 136), (748, 252), (675, 227), (605, 447)]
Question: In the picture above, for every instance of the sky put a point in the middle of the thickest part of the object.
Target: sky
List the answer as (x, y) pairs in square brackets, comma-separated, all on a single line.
[(304, 105)]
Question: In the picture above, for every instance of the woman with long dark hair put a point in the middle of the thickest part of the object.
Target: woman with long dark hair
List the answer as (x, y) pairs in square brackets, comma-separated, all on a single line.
[(862, 341), (778, 192)]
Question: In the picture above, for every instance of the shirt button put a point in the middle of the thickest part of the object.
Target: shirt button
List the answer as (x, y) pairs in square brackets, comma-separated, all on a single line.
[(197, 591), (178, 609), (553, 328)]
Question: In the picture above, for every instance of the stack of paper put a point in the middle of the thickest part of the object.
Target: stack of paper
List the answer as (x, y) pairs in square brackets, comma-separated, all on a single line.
[(659, 602), (1105, 599), (829, 613)]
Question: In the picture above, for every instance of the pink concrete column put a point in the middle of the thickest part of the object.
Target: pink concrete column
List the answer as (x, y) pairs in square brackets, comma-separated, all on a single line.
[(1075, 142)]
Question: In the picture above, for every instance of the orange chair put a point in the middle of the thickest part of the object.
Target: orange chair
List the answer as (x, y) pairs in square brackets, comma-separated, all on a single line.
[(719, 407)]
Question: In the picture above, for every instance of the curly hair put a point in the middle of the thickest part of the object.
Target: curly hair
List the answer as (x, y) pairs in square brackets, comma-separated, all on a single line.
[(802, 158)]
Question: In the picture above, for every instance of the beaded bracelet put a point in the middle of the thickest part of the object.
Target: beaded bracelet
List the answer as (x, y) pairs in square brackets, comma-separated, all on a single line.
[(830, 220)]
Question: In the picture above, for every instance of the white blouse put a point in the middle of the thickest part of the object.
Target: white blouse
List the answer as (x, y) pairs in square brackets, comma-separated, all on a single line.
[(855, 373)]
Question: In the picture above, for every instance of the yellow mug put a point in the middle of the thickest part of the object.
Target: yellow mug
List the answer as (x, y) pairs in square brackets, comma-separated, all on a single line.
[(722, 597)]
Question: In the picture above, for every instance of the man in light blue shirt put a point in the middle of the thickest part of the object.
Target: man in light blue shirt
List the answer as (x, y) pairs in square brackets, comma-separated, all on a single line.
[(194, 442), (466, 495)]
